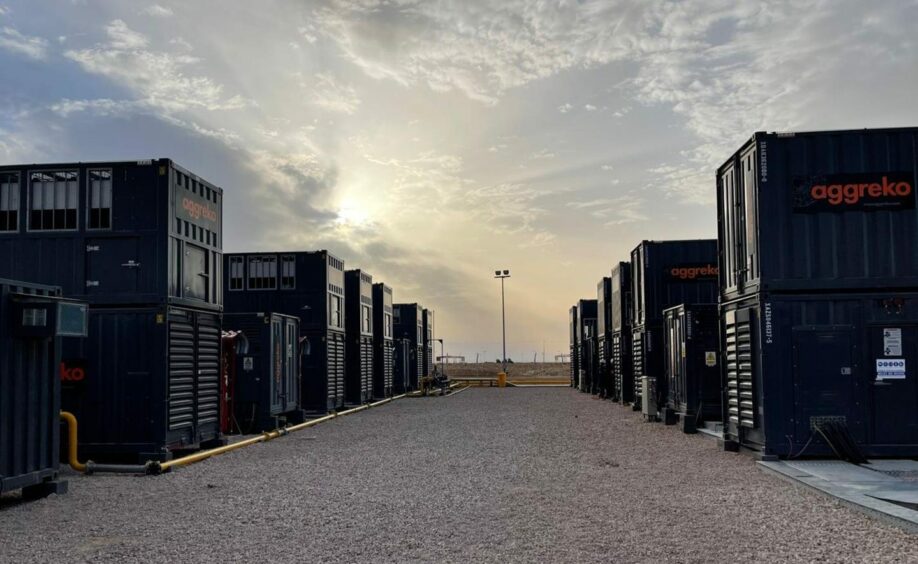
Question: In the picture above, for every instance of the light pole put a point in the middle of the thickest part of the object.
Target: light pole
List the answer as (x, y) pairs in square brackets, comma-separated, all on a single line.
[(502, 274)]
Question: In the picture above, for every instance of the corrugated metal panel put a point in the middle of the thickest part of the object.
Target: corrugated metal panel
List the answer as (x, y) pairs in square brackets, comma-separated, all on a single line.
[(29, 398), (620, 288)]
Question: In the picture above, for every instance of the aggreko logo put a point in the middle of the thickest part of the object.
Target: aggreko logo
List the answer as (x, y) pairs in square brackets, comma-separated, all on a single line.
[(693, 272), (198, 211), (837, 194)]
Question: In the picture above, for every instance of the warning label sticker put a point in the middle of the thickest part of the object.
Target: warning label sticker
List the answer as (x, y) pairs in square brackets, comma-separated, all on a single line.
[(892, 342), (710, 358), (890, 368), (248, 363)]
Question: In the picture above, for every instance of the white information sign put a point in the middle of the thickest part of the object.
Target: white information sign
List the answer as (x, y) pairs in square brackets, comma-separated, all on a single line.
[(892, 342), (890, 368)]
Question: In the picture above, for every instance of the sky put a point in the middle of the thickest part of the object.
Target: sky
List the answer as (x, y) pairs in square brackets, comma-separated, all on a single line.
[(432, 142)]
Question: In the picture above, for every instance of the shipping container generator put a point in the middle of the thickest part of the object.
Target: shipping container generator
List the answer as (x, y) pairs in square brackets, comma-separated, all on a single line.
[(428, 322), (586, 339), (358, 325), (603, 385), (691, 344), (807, 373), (265, 379), (665, 274), (620, 359), (818, 290), (575, 348), (33, 321), (839, 211), (308, 285), (383, 345), (408, 320), (140, 242)]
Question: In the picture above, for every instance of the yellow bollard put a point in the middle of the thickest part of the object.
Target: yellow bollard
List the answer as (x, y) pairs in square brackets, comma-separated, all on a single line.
[(501, 379)]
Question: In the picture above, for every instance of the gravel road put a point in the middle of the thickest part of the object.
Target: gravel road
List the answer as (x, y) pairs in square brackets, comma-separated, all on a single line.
[(488, 475)]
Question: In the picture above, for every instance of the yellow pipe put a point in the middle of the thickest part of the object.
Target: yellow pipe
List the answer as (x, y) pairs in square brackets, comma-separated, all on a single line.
[(71, 421)]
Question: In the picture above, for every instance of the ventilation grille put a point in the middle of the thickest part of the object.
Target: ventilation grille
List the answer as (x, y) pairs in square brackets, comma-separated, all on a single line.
[(637, 362), (181, 373), (388, 365), (366, 366), (335, 366), (738, 345), (615, 363), (208, 365)]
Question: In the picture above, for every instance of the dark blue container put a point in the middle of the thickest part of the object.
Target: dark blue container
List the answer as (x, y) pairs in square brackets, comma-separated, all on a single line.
[(575, 347), (358, 324), (586, 340), (383, 345), (820, 211), (408, 320), (266, 390), (33, 319), (310, 286), (691, 342), (665, 274), (115, 233), (794, 362), (140, 241), (621, 311), (604, 385)]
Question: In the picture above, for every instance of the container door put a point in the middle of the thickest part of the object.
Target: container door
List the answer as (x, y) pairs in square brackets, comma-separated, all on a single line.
[(893, 380), (291, 364), (825, 380), (113, 265), (195, 274), (278, 358)]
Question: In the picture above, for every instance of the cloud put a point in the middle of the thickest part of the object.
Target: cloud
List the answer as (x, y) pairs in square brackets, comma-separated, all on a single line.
[(35, 48), (333, 96), (590, 108), (565, 107), (606, 167), (160, 79), (158, 11), (542, 154), (122, 37), (620, 210)]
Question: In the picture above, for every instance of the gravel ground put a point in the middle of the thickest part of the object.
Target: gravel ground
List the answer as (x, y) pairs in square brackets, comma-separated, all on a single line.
[(488, 475)]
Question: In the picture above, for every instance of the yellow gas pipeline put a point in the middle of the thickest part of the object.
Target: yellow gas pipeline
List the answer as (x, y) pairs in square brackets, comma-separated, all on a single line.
[(153, 467), (72, 434), (159, 467)]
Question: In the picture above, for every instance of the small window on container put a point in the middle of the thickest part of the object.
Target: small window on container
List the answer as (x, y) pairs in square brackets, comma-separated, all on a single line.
[(387, 325), (236, 273), (366, 319), (263, 273), (9, 202), (334, 311), (100, 199), (53, 200), (288, 272)]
